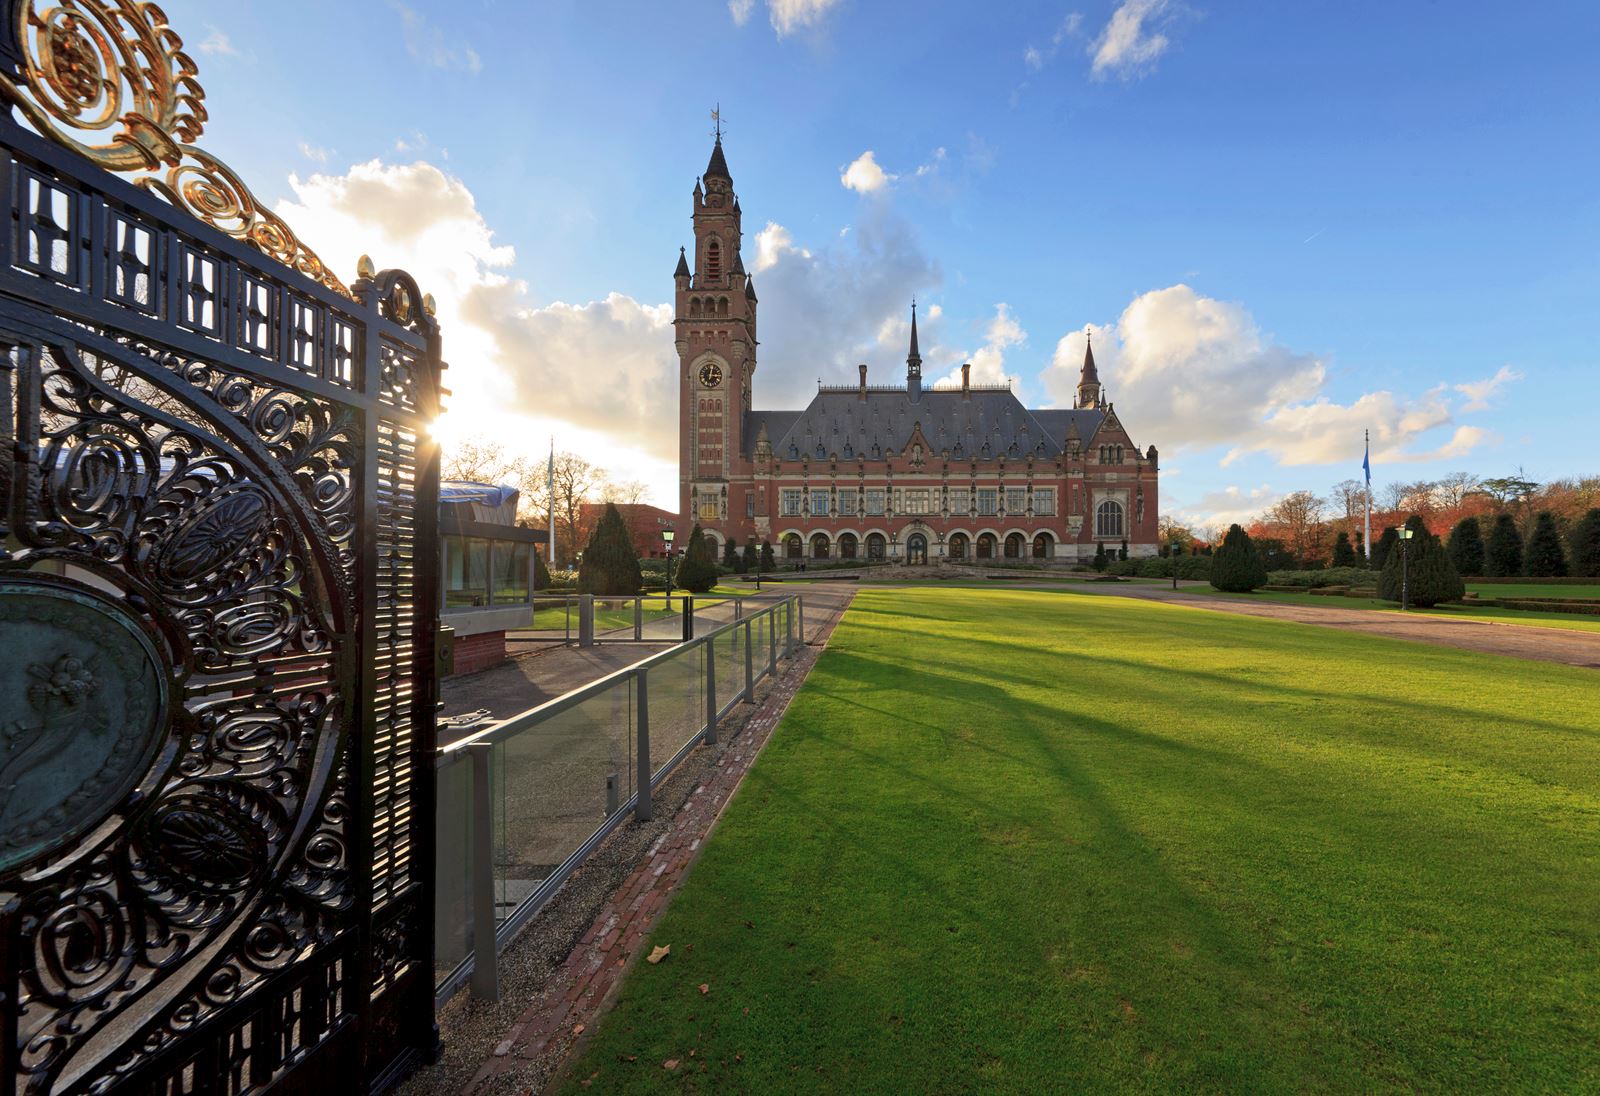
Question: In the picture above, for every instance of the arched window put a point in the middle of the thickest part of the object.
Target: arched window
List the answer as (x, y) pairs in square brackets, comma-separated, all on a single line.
[(722, 306), (1041, 546), (986, 544), (819, 546), (713, 258), (1014, 546), (694, 306), (957, 546), (875, 545), (847, 546), (1108, 519), (791, 546)]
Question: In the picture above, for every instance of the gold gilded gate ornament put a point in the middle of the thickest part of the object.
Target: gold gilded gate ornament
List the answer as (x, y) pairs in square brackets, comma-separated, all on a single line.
[(109, 80)]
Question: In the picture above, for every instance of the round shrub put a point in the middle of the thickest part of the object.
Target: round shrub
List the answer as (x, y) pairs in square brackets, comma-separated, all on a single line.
[(1236, 567)]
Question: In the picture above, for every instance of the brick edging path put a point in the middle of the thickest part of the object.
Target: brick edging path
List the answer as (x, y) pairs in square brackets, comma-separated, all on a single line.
[(542, 1037)]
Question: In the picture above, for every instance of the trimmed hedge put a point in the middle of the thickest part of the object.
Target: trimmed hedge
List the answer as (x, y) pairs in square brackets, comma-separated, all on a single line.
[(1328, 576), (1557, 605)]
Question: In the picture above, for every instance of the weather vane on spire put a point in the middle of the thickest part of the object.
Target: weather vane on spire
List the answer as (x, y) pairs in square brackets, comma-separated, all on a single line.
[(716, 118)]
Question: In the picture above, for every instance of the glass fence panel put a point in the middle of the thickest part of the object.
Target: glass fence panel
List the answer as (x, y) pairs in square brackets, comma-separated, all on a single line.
[(663, 619), (452, 900), (677, 702), (758, 644), (730, 665), (550, 789), (552, 618)]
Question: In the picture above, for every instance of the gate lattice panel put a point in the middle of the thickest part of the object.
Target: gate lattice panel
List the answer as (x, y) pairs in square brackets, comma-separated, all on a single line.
[(217, 595)]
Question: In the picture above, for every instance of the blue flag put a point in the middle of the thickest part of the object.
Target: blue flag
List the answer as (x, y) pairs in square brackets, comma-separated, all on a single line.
[(1366, 463)]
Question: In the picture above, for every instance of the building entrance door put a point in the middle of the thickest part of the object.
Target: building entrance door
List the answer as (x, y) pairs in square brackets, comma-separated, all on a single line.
[(916, 549)]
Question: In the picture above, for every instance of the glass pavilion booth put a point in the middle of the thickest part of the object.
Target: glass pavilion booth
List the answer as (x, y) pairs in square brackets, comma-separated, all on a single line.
[(486, 570)]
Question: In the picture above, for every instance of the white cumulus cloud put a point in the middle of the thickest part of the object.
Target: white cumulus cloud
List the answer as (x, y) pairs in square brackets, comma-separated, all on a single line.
[(1132, 39), (1480, 394), (740, 10), (864, 174), (1194, 372)]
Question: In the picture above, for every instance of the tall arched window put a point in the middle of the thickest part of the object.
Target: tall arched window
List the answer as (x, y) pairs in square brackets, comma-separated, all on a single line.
[(694, 306), (1108, 519), (792, 547), (714, 259), (722, 306)]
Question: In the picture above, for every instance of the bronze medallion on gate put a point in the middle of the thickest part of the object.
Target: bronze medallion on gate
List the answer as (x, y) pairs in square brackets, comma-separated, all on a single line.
[(83, 712)]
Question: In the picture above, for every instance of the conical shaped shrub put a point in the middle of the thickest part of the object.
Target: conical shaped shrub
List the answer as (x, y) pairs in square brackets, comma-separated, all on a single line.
[(698, 571), (1546, 557), (1504, 557), (541, 573), (1585, 542), (1343, 554), (1237, 567), (1466, 547), (1381, 548), (609, 568)]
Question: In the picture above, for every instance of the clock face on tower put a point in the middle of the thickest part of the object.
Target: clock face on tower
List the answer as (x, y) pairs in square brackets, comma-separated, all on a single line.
[(711, 374)]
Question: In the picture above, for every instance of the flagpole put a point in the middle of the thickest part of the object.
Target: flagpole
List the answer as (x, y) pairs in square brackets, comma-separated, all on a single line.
[(1366, 463), (550, 487)]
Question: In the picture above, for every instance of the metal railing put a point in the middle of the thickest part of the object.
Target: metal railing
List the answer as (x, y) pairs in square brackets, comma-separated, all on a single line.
[(652, 618), (522, 803)]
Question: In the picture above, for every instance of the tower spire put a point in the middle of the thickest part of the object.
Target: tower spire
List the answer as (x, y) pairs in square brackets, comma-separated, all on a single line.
[(914, 359)]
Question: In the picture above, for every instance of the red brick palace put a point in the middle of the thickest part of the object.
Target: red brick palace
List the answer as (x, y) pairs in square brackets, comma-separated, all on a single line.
[(896, 472)]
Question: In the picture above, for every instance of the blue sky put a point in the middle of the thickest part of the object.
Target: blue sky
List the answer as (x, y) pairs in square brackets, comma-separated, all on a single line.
[(1284, 223)]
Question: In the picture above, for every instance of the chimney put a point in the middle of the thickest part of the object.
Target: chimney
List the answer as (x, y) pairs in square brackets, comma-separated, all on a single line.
[(966, 380), (863, 394)]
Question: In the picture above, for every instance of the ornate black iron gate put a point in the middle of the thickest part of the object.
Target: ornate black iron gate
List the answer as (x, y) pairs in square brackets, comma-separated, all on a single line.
[(217, 603)]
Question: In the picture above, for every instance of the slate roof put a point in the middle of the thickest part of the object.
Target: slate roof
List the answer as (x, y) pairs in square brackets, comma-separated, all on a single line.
[(987, 425), (718, 166)]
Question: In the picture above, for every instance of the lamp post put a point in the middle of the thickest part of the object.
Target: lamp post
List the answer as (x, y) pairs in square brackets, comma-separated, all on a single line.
[(1177, 547), (666, 538), (1405, 542)]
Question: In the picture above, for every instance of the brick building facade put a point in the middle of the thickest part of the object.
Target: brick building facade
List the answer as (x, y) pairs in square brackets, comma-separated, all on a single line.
[(896, 472)]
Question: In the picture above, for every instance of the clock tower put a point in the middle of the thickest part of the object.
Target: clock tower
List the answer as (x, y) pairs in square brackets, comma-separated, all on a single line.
[(715, 324)]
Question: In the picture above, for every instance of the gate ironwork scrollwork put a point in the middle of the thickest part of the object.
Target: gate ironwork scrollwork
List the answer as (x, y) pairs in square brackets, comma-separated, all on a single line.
[(217, 596)]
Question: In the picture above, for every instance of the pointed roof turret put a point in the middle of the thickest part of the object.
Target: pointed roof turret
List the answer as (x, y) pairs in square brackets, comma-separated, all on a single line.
[(750, 289), (683, 265), (717, 168), (1090, 374), (738, 262)]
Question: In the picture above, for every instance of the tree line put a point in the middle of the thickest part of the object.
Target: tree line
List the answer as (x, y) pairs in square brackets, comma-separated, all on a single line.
[(1497, 527)]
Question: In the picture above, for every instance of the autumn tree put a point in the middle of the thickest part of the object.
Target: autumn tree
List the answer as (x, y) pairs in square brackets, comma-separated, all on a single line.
[(1297, 518)]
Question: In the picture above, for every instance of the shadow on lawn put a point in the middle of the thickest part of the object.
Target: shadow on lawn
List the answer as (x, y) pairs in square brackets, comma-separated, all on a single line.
[(1125, 881)]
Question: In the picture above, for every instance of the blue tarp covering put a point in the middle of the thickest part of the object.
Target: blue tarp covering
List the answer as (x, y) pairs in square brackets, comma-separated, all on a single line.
[(484, 494)]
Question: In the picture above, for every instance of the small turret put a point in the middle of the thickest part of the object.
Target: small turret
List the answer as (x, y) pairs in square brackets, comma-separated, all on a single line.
[(683, 265), (1090, 393)]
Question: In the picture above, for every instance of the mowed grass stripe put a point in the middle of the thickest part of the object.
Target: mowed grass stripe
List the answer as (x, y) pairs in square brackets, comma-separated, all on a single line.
[(1032, 842)]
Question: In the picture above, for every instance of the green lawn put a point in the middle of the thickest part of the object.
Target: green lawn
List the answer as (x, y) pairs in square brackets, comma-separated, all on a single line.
[(1042, 842), (1464, 611)]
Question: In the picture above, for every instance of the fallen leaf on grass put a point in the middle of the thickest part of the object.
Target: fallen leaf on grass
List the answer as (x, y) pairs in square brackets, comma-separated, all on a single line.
[(658, 954), (578, 1030), (705, 988), (670, 1063)]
